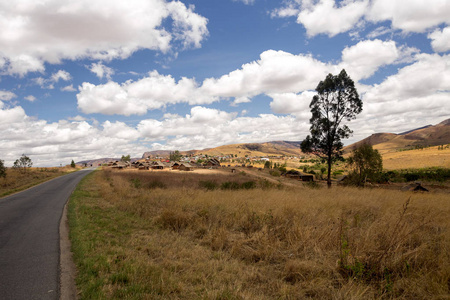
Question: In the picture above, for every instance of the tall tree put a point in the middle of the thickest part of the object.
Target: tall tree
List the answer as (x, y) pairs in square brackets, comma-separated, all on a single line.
[(72, 164), (336, 101)]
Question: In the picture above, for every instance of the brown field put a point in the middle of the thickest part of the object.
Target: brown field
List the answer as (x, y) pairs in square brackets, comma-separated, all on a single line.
[(164, 235), (17, 181), (428, 157)]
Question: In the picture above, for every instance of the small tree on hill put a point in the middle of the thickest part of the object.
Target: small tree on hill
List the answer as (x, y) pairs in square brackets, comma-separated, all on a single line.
[(175, 156), (336, 100), (72, 164), (126, 158), (2, 169), (23, 163), (366, 163)]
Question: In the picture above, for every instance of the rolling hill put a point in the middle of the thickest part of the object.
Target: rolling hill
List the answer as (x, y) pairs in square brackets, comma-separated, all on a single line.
[(431, 135), (386, 143), (275, 148)]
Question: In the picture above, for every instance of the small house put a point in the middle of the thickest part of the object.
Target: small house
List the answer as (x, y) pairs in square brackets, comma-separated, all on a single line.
[(186, 167)]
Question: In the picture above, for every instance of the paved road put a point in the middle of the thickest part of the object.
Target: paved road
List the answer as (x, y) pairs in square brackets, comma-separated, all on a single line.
[(29, 239)]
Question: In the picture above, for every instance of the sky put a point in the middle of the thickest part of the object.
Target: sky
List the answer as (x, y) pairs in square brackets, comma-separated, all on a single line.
[(105, 78)]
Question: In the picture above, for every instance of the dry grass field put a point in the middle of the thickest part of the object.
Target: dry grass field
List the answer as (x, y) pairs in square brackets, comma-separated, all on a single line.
[(424, 158), (16, 181), (174, 235)]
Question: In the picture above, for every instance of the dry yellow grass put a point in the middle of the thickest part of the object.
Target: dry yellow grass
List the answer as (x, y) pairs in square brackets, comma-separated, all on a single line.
[(428, 157), (183, 242), (16, 181)]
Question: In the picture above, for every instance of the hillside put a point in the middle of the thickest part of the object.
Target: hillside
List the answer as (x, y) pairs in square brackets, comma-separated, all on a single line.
[(431, 135), (275, 148)]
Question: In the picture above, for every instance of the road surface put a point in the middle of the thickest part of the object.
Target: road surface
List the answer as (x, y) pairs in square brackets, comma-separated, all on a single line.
[(29, 239)]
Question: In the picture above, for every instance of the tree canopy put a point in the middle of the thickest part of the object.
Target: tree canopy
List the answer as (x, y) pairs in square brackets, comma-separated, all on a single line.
[(175, 156), (23, 163), (337, 100), (126, 158), (2, 169), (366, 163)]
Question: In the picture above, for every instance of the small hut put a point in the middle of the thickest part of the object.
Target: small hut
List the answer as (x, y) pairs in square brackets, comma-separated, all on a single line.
[(213, 163), (157, 165), (186, 167)]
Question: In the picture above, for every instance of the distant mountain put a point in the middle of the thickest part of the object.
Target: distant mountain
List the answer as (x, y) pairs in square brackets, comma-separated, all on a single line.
[(430, 135)]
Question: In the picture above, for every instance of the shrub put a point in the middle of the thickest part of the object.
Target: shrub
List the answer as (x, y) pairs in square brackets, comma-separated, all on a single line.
[(208, 185), (2, 169), (248, 185), (275, 173), (230, 185), (156, 184)]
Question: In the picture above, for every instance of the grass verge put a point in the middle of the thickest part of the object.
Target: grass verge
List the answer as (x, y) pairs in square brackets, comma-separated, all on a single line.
[(16, 181), (185, 240)]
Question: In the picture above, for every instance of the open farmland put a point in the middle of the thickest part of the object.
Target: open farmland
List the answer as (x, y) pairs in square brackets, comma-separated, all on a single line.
[(160, 235)]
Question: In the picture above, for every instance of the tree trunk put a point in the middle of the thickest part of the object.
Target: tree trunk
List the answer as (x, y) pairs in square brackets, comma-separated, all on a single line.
[(329, 172)]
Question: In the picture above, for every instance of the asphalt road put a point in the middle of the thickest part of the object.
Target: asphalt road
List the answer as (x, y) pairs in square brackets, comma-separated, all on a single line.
[(29, 239)]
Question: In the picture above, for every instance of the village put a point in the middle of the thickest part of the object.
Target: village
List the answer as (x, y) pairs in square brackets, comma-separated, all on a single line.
[(227, 163)]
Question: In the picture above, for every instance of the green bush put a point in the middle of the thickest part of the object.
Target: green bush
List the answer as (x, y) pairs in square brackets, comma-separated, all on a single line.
[(208, 185), (248, 185), (230, 185), (275, 173)]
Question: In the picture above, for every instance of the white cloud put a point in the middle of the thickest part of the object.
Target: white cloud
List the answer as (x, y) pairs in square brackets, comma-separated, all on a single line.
[(246, 2), (7, 95), (47, 32), (440, 40), (291, 103), (69, 88), (77, 118), (238, 100), (276, 72), (136, 97), (50, 82), (381, 53), (417, 94), (214, 128), (61, 75), (325, 17), (410, 15), (101, 70), (430, 75), (333, 17), (30, 98)]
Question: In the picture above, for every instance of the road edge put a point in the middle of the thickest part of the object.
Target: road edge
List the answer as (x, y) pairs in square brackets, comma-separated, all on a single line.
[(68, 288)]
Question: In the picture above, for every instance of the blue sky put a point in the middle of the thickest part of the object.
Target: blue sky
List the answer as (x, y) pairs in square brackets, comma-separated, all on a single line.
[(90, 79)]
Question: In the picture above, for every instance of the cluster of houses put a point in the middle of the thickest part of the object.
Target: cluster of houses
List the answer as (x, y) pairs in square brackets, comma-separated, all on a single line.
[(145, 164)]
